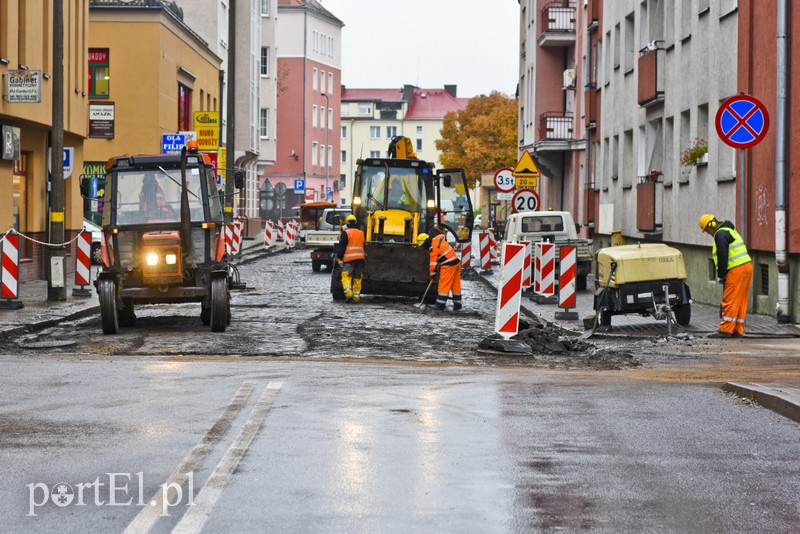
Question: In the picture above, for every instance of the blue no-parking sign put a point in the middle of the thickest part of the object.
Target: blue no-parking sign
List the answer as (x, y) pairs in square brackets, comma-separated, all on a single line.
[(742, 121)]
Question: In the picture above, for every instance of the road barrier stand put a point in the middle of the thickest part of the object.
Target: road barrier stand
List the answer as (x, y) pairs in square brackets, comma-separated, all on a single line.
[(237, 235), (229, 239), (288, 235), (566, 284), (545, 273), (526, 270), (493, 246), (83, 265), (9, 277), (279, 231), (269, 234), (509, 292), (486, 256), (466, 255)]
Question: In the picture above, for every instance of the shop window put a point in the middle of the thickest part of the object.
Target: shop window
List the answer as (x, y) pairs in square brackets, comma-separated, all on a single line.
[(19, 195), (98, 73)]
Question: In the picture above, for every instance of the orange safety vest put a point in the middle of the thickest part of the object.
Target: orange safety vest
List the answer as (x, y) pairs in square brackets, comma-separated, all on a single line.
[(355, 245), (441, 252)]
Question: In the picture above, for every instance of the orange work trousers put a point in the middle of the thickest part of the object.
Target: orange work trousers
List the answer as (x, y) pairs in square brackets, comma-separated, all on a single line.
[(449, 281), (734, 298)]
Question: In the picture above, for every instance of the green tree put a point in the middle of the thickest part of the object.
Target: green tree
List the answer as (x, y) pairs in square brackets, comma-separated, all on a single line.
[(481, 137)]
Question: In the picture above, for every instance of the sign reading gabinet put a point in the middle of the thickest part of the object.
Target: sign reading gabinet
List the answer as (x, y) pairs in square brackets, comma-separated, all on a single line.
[(206, 124), (24, 86)]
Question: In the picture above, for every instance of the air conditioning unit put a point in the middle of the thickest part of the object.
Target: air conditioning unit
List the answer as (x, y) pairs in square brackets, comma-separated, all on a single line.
[(569, 79)]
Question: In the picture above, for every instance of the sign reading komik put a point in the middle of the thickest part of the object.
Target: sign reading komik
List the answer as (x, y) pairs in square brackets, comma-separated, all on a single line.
[(24, 86)]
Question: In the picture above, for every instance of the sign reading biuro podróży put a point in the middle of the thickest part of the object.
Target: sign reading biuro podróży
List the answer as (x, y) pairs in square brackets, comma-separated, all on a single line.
[(206, 124), (24, 86)]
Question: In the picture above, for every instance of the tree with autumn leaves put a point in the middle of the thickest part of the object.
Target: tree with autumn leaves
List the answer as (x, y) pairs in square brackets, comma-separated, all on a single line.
[(481, 137)]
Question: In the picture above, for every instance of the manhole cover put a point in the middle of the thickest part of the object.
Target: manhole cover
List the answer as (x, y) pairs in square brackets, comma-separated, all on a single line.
[(51, 344)]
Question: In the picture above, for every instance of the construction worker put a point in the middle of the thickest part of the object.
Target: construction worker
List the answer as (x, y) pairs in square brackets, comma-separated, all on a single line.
[(351, 257), (445, 259), (734, 272)]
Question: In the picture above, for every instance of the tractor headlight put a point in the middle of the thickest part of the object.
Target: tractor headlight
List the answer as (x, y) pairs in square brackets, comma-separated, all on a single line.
[(431, 203), (152, 259), (171, 259), (357, 201)]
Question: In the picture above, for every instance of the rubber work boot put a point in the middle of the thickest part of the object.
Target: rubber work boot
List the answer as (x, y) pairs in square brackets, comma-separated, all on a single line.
[(356, 297), (456, 306)]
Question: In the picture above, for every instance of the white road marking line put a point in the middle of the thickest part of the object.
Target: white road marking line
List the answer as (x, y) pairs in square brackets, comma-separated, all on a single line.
[(197, 515), (148, 516)]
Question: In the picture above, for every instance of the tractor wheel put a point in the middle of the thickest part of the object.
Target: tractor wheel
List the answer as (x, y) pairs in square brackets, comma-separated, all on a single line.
[(683, 314), (96, 254), (219, 304), (205, 314), (316, 266), (604, 317), (107, 293)]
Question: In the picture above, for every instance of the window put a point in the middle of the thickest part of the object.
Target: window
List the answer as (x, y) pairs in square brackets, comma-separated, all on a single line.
[(628, 162), (330, 118), (669, 151), (314, 115), (374, 153), (264, 123), (727, 6), (391, 131), (686, 19), (19, 195), (330, 82), (222, 28), (630, 45), (321, 155), (704, 6), (98, 73), (344, 109), (607, 59), (322, 117), (322, 82), (617, 34), (344, 132), (419, 145), (314, 153), (265, 8), (264, 61), (314, 84), (344, 156), (364, 109), (330, 155), (419, 129), (184, 108), (374, 132)]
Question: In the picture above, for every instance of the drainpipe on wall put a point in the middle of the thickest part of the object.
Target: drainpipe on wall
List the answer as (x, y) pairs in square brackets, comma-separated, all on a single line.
[(781, 256)]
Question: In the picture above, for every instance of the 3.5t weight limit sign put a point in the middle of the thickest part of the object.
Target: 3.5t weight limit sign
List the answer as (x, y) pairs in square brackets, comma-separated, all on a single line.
[(525, 200), (504, 180)]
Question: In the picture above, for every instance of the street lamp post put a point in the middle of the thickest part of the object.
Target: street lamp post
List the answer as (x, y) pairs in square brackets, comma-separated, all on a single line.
[(325, 150)]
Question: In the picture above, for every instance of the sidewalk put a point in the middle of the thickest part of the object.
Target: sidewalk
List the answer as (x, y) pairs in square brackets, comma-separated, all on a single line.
[(781, 398)]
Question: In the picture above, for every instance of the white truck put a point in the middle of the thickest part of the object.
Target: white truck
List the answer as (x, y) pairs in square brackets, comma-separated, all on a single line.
[(556, 227), (323, 240)]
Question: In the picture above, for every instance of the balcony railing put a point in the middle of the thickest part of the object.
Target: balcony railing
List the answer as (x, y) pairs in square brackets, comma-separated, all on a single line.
[(592, 106), (651, 74), (558, 24), (556, 125), (648, 203)]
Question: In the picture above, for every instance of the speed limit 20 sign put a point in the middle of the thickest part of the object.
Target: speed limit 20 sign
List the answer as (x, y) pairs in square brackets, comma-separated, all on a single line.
[(525, 200)]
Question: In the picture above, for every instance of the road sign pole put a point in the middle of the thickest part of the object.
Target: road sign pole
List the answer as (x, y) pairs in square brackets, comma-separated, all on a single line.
[(742, 193)]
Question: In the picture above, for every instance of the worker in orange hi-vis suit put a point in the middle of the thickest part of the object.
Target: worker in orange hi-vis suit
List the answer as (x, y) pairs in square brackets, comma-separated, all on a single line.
[(734, 272), (443, 257)]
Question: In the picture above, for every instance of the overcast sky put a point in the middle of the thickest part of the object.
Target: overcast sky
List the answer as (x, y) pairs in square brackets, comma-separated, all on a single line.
[(430, 43)]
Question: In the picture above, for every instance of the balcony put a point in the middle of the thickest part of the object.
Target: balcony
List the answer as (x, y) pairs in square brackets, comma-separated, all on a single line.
[(592, 106), (649, 191), (651, 74), (558, 24), (556, 131)]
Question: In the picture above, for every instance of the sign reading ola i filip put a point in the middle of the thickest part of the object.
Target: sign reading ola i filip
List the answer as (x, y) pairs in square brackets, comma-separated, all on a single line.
[(206, 124)]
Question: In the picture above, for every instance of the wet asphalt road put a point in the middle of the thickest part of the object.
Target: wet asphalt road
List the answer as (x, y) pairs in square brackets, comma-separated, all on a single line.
[(322, 427)]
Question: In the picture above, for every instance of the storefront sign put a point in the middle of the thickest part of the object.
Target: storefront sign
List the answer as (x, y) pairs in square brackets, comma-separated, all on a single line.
[(206, 124), (24, 86), (10, 142), (101, 120)]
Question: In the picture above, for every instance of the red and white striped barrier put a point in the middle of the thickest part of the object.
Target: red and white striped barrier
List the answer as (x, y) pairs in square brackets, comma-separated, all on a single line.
[(9, 276), (229, 239), (279, 231), (486, 257), (466, 255), (547, 269), (83, 265), (237, 236), (526, 270), (288, 235), (493, 245), (269, 234), (509, 292), (566, 283)]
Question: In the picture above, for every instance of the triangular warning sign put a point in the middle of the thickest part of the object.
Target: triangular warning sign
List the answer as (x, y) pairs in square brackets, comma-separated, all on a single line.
[(526, 168)]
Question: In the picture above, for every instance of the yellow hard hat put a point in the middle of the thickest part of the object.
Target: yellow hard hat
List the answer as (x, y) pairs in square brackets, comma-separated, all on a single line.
[(421, 238), (350, 218), (705, 220)]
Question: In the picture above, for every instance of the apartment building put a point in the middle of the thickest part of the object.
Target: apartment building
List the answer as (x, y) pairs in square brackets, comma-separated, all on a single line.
[(371, 117), (26, 120), (309, 79)]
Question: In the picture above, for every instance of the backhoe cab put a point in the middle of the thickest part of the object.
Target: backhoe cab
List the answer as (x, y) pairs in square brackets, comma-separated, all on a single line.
[(394, 200), (163, 238)]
